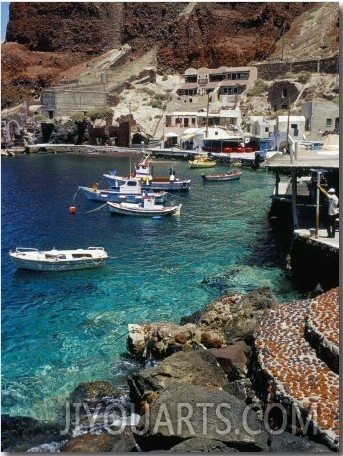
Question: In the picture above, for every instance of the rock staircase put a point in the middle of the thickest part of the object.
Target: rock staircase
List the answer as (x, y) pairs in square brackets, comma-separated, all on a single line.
[(93, 86), (298, 350)]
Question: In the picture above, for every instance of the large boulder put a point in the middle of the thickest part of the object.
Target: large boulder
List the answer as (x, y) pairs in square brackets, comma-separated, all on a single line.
[(286, 442), (162, 339), (191, 368), (237, 315), (184, 411), (201, 445)]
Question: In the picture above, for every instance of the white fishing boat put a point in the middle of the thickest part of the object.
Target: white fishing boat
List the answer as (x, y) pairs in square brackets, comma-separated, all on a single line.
[(58, 260), (146, 209), (144, 170)]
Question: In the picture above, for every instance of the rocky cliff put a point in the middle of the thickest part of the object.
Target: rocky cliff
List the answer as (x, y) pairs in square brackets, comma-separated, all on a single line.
[(45, 39)]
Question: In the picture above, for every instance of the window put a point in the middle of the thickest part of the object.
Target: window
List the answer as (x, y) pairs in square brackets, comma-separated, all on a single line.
[(284, 93), (295, 129), (328, 123)]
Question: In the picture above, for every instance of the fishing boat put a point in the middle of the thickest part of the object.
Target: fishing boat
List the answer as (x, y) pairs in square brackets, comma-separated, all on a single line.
[(146, 209), (144, 170), (58, 260), (232, 175), (201, 161), (125, 190)]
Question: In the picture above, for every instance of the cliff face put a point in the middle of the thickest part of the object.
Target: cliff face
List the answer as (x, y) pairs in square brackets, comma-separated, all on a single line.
[(85, 27), (45, 39)]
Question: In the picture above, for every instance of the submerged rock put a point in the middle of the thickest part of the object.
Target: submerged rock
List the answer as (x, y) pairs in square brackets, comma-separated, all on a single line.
[(20, 433), (101, 443), (94, 392)]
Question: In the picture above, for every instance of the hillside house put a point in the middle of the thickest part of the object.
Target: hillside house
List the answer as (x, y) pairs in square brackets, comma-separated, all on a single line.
[(187, 119), (261, 126), (222, 82), (320, 118)]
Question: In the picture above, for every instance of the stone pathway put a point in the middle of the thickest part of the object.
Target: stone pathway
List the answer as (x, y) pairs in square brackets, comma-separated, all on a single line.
[(287, 357)]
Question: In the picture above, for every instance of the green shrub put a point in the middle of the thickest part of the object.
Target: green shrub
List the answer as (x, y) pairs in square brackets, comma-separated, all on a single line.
[(260, 88), (41, 118), (303, 77), (100, 112), (156, 104), (78, 117), (290, 75)]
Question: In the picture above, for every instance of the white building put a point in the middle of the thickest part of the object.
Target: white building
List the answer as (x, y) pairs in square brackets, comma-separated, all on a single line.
[(261, 126)]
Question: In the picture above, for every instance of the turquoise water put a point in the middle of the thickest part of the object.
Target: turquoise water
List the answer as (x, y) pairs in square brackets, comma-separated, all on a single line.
[(60, 329)]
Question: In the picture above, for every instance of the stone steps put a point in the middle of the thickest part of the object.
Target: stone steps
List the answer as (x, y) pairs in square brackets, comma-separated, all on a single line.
[(293, 365)]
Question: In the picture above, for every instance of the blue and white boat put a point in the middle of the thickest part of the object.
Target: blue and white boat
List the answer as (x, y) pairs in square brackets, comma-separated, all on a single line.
[(128, 190)]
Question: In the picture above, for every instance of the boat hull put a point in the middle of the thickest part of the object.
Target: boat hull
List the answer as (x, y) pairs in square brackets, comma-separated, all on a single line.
[(124, 209), (62, 260), (221, 177), (116, 196), (158, 184), (176, 186), (201, 164)]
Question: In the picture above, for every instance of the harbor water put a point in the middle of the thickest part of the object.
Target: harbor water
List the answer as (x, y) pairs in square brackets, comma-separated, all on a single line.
[(61, 329)]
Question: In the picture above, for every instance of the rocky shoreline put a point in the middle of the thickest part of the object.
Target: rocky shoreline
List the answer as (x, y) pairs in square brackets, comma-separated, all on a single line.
[(243, 374)]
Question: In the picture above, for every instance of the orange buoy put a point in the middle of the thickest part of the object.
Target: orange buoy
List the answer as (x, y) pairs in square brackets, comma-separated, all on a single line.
[(72, 210)]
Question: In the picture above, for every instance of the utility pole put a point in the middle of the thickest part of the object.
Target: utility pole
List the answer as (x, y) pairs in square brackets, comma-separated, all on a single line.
[(282, 40), (208, 107)]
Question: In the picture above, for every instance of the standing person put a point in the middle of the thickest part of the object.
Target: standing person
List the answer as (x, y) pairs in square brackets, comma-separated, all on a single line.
[(333, 210), (171, 176)]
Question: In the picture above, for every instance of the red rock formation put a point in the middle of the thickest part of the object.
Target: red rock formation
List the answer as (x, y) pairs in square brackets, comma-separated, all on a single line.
[(44, 39)]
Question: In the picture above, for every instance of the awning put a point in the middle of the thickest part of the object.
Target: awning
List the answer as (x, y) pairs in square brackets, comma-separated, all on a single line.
[(171, 135), (190, 136)]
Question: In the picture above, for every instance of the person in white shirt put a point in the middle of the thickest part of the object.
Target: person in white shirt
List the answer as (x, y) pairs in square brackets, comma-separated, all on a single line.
[(333, 210)]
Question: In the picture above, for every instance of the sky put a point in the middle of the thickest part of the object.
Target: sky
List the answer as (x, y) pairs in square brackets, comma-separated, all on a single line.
[(4, 18)]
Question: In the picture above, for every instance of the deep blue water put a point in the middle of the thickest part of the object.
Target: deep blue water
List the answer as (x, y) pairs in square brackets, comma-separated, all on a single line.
[(60, 329)]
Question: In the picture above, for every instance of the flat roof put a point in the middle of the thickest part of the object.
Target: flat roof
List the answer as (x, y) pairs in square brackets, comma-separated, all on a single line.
[(304, 159)]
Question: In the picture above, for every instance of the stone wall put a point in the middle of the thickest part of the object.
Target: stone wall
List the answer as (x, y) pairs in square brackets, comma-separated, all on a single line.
[(273, 70), (64, 102), (314, 263)]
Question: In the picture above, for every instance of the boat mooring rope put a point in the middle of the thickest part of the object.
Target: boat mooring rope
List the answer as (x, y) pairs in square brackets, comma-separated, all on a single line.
[(97, 209)]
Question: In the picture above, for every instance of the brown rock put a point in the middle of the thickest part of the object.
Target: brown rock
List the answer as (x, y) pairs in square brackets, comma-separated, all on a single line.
[(232, 359), (102, 443), (182, 337)]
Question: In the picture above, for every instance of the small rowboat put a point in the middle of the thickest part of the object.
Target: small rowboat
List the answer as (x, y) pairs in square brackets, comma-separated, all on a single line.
[(147, 209), (234, 175), (201, 161), (58, 260)]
